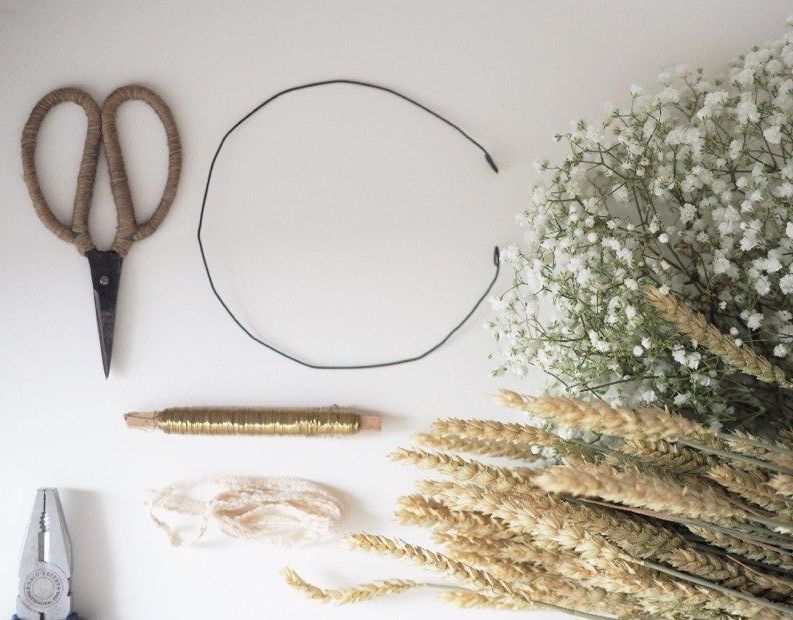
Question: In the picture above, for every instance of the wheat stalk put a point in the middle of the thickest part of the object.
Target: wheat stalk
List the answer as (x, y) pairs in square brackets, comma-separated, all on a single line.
[(469, 599), (486, 447), (623, 573), (635, 536), (352, 594), (554, 587), (646, 423), (774, 583), (484, 559), (710, 567), (786, 436), (642, 540), (522, 513), (633, 488), (500, 478), (554, 526), (521, 434), (751, 485), (729, 572), (524, 538), (520, 549), (782, 484), (751, 550), (667, 454), (696, 326), (724, 598), (515, 510), (612, 571), (427, 512), (745, 443), (444, 564)]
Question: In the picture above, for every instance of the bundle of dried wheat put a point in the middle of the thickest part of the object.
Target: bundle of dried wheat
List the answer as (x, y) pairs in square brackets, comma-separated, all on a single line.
[(669, 520)]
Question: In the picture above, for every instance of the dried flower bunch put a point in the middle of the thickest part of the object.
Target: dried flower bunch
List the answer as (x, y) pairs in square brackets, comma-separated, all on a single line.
[(667, 519), (688, 191)]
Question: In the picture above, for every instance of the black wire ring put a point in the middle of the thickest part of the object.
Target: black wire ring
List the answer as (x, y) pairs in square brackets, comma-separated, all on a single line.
[(274, 349)]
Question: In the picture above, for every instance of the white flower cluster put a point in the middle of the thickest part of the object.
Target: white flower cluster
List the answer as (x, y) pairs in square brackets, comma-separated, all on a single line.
[(688, 190)]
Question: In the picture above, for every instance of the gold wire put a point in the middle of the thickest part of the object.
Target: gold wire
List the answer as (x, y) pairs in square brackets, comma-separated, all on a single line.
[(252, 421)]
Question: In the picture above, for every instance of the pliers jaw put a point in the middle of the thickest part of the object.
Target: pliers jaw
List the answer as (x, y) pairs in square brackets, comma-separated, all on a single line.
[(46, 567)]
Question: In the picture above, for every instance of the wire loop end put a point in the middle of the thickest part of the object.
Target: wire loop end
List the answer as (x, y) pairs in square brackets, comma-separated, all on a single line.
[(491, 163)]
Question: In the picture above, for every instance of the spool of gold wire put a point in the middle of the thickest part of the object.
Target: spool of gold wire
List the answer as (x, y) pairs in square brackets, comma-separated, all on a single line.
[(254, 421)]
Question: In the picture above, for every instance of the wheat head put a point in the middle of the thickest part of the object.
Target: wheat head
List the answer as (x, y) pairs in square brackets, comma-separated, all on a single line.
[(645, 423), (485, 447), (353, 594), (696, 326), (444, 564), (693, 498), (782, 484), (500, 478)]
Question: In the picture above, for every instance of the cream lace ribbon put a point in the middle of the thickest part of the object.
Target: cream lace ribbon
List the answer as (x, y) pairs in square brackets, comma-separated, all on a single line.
[(283, 511)]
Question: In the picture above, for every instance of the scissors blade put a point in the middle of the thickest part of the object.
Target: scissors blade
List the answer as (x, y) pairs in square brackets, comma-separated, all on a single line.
[(105, 275)]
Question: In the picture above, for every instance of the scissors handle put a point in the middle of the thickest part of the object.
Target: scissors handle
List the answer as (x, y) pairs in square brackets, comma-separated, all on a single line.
[(77, 232), (129, 229), (101, 128)]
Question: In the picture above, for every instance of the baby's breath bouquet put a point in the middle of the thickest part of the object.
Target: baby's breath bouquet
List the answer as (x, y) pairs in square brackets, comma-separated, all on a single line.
[(687, 192)]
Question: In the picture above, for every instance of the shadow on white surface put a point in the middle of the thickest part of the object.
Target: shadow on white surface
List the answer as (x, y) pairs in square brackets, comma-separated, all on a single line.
[(92, 551)]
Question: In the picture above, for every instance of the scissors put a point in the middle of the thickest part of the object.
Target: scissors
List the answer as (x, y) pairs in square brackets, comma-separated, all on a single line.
[(105, 265), (45, 572)]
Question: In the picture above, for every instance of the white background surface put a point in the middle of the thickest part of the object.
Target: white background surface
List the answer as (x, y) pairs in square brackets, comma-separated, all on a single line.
[(344, 225)]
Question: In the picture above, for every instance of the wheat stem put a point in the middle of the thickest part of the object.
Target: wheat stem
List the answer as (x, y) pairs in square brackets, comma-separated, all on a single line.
[(771, 542), (667, 454), (782, 484), (645, 423), (460, 570), (752, 486), (486, 447), (500, 478), (697, 327), (618, 571), (469, 599), (635, 536), (521, 434), (767, 554), (418, 510), (654, 491), (749, 598), (766, 446), (353, 594), (735, 456)]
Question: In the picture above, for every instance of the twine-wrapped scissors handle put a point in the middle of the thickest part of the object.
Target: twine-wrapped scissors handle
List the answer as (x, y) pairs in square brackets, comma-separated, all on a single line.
[(77, 233), (129, 230), (101, 127)]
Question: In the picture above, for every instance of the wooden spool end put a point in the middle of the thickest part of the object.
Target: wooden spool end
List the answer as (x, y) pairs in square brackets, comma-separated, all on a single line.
[(369, 422), (143, 420)]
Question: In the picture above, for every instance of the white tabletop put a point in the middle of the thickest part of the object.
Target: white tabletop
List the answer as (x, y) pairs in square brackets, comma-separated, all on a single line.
[(344, 225)]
